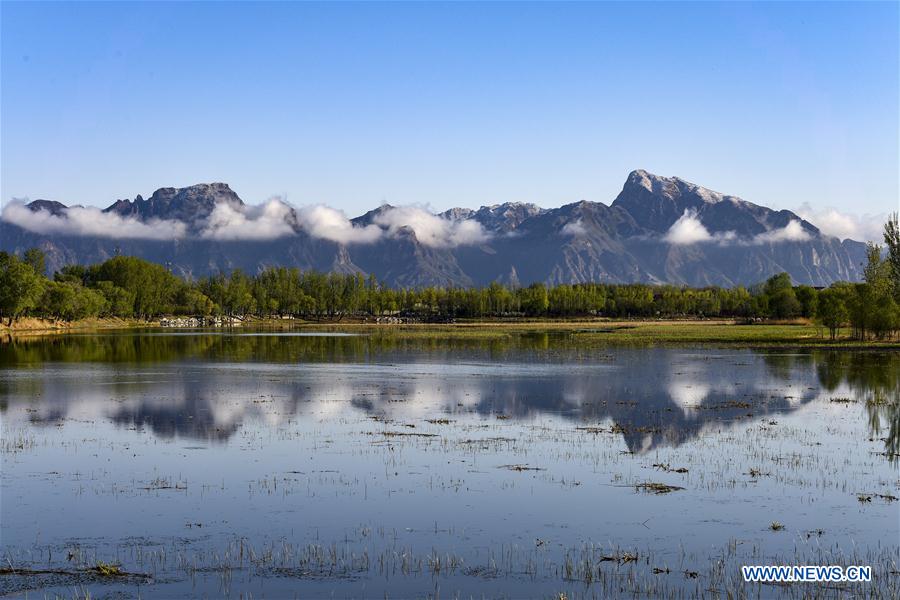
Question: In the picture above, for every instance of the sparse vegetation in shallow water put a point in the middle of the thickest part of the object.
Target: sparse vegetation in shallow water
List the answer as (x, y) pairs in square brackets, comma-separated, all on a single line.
[(669, 468), (572, 451), (340, 565), (624, 557), (165, 483), (655, 487), (594, 430), (108, 569), (815, 533), (756, 473), (776, 526), (867, 498), (101, 570), (520, 468), (390, 434)]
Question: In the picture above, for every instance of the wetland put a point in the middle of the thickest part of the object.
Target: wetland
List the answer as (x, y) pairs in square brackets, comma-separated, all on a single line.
[(359, 462)]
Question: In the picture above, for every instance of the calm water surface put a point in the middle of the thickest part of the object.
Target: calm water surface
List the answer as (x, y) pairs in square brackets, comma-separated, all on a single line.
[(212, 464)]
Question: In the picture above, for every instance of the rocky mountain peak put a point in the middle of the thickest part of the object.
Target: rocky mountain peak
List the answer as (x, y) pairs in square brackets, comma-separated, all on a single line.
[(670, 188), (186, 204), (51, 206), (656, 202), (641, 178), (520, 210), (457, 213), (502, 217), (369, 217)]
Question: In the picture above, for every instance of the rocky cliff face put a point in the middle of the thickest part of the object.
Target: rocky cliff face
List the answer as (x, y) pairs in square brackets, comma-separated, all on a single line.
[(189, 205), (657, 230)]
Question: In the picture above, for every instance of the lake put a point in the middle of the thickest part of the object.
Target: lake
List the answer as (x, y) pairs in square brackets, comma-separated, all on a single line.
[(261, 464)]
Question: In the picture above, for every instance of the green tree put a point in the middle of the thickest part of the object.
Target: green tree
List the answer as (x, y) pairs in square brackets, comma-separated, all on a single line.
[(832, 310), (782, 300), (71, 301), (72, 274), (859, 306), (877, 272), (874, 308), (20, 287), (892, 241), (119, 302), (58, 299), (35, 257), (808, 299), (534, 300), (88, 303), (885, 319), (153, 286), (191, 301)]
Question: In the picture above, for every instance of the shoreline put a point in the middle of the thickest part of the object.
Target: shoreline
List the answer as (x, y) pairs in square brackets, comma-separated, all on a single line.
[(639, 331), (34, 326)]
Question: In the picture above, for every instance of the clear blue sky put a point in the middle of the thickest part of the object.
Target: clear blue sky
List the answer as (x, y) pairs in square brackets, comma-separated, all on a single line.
[(465, 104)]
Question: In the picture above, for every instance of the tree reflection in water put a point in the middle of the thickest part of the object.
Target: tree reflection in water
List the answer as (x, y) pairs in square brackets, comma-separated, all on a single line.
[(197, 384)]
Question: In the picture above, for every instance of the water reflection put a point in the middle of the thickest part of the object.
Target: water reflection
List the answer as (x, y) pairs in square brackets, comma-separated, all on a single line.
[(873, 378), (206, 386)]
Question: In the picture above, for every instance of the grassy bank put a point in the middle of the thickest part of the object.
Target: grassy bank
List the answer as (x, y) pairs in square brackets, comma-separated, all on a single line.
[(34, 326), (629, 332), (590, 332)]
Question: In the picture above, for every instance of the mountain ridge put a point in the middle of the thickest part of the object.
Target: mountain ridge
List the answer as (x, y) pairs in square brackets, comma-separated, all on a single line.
[(656, 230)]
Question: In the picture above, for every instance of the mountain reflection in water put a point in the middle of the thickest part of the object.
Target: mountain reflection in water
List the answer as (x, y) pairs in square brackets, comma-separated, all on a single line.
[(205, 386)]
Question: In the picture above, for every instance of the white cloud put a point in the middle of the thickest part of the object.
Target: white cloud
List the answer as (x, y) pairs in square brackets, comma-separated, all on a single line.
[(321, 221), (263, 222), (689, 230), (270, 220), (432, 230), (792, 232), (575, 228), (863, 228), (90, 221)]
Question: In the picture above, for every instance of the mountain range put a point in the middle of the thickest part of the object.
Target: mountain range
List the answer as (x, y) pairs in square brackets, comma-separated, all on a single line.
[(657, 230)]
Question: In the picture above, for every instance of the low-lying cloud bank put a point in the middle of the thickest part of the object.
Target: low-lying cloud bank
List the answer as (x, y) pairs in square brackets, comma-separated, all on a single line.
[(830, 221), (275, 219), (328, 223), (689, 230), (432, 230), (792, 232), (264, 222), (90, 221), (271, 220)]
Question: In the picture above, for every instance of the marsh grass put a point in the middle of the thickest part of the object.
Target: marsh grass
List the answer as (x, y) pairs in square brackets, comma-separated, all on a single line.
[(801, 459), (599, 570), (626, 332), (654, 487)]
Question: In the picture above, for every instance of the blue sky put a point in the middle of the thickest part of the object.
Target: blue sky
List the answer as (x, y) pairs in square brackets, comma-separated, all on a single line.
[(451, 104)]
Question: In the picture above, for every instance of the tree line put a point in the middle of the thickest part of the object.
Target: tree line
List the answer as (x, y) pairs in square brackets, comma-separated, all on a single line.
[(128, 287)]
